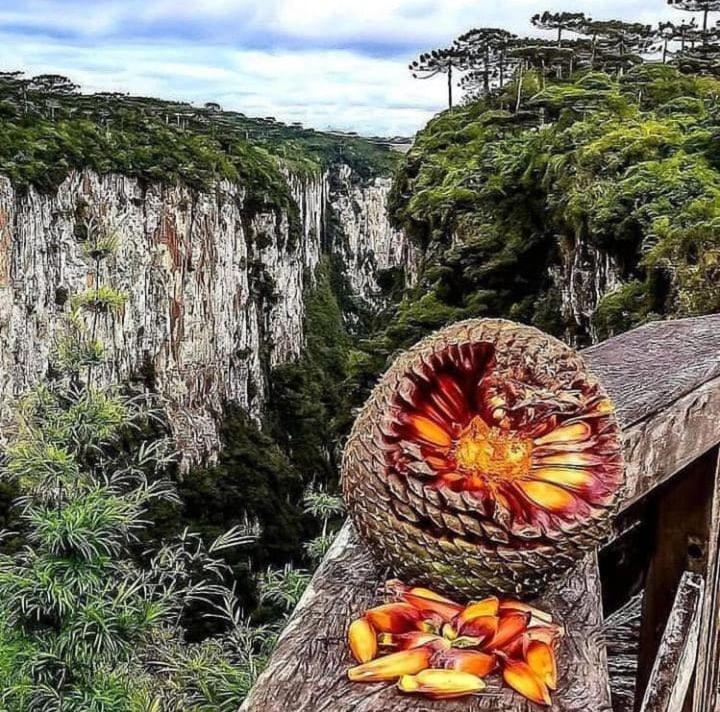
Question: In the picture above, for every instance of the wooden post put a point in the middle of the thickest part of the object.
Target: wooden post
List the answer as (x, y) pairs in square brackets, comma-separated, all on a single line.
[(667, 690), (708, 663), (679, 536)]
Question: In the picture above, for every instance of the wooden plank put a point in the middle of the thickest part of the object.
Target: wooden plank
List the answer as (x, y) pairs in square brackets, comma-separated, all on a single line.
[(650, 367), (678, 530), (307, 670), (621, 630), (665, 381), (658, 448), (708, 664), (675, 662)]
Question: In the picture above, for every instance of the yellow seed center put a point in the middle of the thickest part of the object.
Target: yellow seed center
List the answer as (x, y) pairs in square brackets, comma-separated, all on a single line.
[(492, 452)]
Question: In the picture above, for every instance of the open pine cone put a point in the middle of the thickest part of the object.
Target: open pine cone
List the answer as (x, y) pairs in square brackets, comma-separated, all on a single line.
[(486, 459)]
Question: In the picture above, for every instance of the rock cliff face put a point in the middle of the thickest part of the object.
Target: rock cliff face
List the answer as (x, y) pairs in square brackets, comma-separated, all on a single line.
[(214, 292), (362, 237), (584, 276)]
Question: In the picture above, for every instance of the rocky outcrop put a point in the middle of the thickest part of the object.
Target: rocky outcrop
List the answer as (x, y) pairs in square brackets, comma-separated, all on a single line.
[(585, 274), (363, 239), (214, 293)]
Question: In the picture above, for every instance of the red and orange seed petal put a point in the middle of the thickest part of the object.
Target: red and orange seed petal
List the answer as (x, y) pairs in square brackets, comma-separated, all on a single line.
[(413, 639), (572, 477), (472, 661), (362, 639), (482, 627), (391, 667), (572, 432), (509, 627), (541, 659), (548, 496), (408, 683), (555, 448), (568, 459), (475, 483), (439, 464), (450, 389), (428, 601), (398, 617), (510, 605), (426, 593), (430, 623), (449, 632), (518, 675), (516, 647), (445, 405), (478, 609), (548, 634), (452, 481), (603, 406), (439, 684), (429, 431), (428, 409)]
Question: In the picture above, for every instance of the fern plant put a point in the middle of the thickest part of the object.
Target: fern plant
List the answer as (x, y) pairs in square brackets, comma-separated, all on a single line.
[(325, 507)]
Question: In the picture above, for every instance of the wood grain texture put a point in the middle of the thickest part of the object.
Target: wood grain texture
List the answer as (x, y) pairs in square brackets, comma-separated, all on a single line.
[(708, 662), (665, 381), (678, 526), (675, 662), (647, 369)]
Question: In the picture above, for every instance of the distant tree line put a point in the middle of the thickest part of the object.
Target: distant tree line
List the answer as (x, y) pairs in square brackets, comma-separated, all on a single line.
[(486, 59)]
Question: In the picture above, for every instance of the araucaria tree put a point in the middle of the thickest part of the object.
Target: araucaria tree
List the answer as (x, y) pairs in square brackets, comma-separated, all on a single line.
[(560, 22), (486, 55), (670, 32), (489, 58), (616, 45), (441, 61), (88, 620), (705, 7)]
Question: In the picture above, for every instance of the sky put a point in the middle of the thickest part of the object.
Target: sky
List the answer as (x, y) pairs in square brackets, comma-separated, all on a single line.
[(330, 64)]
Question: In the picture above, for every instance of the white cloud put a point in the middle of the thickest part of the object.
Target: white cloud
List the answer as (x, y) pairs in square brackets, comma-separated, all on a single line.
[(327, 63)]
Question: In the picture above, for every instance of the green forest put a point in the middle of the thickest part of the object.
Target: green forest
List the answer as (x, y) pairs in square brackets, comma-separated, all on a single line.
[(124, 586)]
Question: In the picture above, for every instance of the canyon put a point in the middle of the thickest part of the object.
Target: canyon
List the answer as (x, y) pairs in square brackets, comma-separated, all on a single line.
[(214, 290)]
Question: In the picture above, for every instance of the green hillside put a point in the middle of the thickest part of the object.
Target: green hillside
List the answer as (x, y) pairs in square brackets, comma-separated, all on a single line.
[(48, 127), (492, 197)]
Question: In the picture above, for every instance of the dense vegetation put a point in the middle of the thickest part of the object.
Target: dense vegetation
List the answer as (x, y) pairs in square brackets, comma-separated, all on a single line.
[(606, 142), (627, 164), (48, 128), (90, 619), (108, 601)]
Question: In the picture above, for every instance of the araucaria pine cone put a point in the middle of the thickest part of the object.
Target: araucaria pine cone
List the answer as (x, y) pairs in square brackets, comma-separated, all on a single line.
[(487, 459)]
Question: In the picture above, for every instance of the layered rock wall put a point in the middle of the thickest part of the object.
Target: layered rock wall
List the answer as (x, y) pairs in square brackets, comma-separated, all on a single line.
[(214, 293)]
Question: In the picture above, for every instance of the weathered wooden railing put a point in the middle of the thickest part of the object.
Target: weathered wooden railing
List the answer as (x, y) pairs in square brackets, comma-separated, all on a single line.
[(665, 381)]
